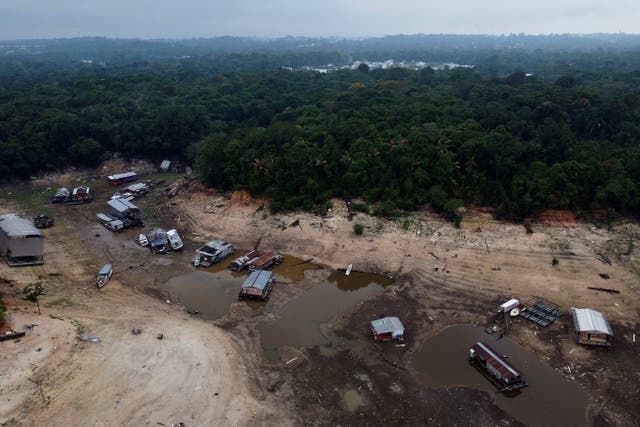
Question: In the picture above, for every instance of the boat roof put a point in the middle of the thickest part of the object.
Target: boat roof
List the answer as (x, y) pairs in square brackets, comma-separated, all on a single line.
[(16, 226), (588, 320), (258, 279), (387, 325), (214, 246), (122, 205), (496, 361), (157, 233), (137, 186), (122, 175), (105, 270)]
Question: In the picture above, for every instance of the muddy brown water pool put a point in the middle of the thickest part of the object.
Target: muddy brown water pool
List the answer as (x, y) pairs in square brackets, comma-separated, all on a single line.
[(212, 290), (211, 293), (549, 400), (300, 320)]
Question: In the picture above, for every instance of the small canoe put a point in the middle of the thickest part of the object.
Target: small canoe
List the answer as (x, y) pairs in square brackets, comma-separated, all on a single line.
[(348, 271), (104, 275)]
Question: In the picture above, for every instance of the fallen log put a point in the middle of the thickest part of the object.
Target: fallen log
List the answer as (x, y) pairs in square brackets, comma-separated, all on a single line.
[(12, 335), (611, 291), (303, 262)]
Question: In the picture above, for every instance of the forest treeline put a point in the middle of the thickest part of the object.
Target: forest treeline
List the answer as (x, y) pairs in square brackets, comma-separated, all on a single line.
[(398, 139)]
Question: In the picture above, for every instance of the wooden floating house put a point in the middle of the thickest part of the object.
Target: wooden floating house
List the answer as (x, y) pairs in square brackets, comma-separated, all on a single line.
[(499, 370), (257, 286), (255, 260), (241, 262), (265, 261), (387, 329), (591, 327), (121, 178)]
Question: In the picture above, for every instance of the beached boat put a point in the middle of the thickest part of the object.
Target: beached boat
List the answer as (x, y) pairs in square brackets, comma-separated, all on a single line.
[(104, 275), (349, 268)]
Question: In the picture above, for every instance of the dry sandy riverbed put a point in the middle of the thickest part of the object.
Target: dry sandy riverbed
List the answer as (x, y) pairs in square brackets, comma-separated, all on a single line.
[(195, 373), (445, 276)]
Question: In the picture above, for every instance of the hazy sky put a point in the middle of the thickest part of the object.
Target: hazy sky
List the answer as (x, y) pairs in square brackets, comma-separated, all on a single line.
[(272, 18)]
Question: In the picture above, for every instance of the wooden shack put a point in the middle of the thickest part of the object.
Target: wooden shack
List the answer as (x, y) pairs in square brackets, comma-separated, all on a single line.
[(257, 286), (591, 327), (264, 261), (21, 243), (387, 329)]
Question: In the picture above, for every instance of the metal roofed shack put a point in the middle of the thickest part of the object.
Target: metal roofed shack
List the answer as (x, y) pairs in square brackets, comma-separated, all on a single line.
[(499, 370), (387, 329), (591, 327), (257, 286), (165, 165), (21, 243), (125, 211), (121, 178)]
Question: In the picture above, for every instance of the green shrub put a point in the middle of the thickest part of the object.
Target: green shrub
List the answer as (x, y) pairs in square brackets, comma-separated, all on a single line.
[(360, 207), (358, 229)]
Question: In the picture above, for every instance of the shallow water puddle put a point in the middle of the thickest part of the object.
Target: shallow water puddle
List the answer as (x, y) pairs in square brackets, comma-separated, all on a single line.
[(550, 399), (210, 293), (212, 290), (300, 320), (292, 269)]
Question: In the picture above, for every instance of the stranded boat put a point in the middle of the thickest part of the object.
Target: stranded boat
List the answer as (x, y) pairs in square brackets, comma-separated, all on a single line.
[(348, 270), (499, 371), (104, 275)]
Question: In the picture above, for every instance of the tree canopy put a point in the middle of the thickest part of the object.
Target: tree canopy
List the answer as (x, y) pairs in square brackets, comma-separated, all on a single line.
[(563, 137)]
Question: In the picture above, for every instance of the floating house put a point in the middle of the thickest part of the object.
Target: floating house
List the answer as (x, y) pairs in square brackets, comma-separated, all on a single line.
[(121, 178), (257, 286), (505, 375), (21, 243), (387, 329), (212, 252), (255, 260), (264, 261), (125, 211), (591, 327), (138, 189), (241, 262)]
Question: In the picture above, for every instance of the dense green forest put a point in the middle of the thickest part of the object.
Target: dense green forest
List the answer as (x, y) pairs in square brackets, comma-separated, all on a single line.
[(522, 131)]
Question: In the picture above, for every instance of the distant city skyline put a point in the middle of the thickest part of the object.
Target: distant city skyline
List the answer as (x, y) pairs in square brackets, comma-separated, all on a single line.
[(30, 19)]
